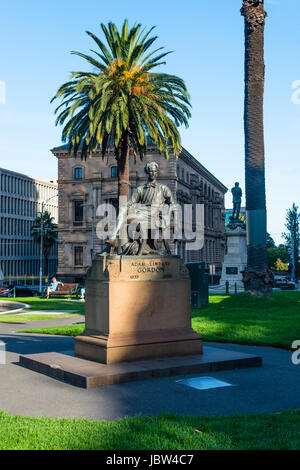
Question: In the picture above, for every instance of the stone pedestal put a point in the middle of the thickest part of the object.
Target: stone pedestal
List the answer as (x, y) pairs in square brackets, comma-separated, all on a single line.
[(235, 259), (137, 308)]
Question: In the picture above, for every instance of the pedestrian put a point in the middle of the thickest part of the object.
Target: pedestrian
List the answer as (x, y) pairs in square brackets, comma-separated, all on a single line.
[(53, 286)]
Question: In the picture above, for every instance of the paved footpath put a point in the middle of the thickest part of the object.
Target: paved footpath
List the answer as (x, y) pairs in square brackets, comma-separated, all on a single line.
[(271, 388)]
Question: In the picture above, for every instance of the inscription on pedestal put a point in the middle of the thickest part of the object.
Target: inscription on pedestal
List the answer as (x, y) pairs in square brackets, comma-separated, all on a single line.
[(140, 269), (232, 271), (143, 269)]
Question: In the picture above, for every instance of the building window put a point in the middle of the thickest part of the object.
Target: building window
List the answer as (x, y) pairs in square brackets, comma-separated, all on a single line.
[(78, 256), (114, 172), (78, 212), (78, 173)]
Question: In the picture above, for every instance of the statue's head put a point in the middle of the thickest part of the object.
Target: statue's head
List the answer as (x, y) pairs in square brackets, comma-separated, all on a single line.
[(236, 184), (152, 169), (254, 3)]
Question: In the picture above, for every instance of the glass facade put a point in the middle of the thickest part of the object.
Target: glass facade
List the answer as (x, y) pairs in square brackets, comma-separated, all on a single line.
[(21, 198)]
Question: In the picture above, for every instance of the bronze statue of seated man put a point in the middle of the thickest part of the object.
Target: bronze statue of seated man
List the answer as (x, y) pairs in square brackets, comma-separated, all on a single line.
[(141, 215)]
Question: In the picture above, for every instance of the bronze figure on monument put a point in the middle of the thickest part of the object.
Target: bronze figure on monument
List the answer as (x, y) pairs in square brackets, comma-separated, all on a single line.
[(143, 213)]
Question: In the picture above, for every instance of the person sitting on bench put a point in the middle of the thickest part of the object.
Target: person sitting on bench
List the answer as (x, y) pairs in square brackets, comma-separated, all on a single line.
[(53, 286)]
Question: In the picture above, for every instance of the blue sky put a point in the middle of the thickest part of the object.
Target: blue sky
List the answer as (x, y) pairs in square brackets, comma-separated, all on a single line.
[(207, 40)]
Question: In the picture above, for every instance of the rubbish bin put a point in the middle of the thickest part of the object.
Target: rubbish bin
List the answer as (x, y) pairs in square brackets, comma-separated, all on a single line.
[(199, 284)]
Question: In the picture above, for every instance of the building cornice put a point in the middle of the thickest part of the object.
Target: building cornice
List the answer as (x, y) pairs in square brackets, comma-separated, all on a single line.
[(30, 178), (194, 163), (184, 155)]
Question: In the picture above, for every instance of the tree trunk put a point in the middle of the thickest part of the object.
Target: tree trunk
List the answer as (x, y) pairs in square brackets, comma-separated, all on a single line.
[(122, 154), (257, 277), (123, 168)]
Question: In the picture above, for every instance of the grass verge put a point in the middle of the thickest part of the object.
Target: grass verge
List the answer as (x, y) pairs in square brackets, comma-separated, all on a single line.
[(245, 319), (165, 432), (36, 303), (20, 318), (241, 319), (66, 330)]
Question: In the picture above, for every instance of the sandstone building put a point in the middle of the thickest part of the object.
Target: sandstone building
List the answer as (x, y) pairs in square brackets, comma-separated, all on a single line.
[(83, 185)]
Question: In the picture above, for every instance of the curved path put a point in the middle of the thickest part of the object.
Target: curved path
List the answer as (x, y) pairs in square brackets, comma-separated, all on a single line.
[(271, 388)]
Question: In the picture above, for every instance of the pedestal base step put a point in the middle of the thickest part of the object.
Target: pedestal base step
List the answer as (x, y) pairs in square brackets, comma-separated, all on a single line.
[(88, 374), (138, 346)]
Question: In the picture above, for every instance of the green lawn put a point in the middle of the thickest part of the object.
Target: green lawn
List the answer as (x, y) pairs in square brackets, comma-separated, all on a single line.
[(245, 319), (241, 319), (66, 330), (166, 432), (36, 303), (20, 318)]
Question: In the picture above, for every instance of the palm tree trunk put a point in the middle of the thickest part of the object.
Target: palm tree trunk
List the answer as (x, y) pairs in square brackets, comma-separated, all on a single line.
[(122, 154), (257, 277), (123, 168)]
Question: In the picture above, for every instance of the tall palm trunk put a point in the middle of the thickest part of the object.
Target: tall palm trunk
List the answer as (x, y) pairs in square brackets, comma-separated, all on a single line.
[(257, 277), (123, 167), (122, 154)]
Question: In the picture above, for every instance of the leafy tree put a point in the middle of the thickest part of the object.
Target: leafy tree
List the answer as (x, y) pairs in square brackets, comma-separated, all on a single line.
[(280, 265), (257, 279), (122, 101), (49, 234), (270, 242), (292, 236), (276, 253)]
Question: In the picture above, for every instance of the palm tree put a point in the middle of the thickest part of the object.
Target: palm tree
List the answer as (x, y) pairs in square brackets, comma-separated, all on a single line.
[(122, 101), (49, 234), (257, 277)]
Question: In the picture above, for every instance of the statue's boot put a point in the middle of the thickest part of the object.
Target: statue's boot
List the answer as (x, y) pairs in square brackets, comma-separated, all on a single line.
[(112, 244)]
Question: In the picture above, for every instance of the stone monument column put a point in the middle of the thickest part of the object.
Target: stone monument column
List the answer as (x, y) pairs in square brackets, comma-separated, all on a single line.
[(235, 259)]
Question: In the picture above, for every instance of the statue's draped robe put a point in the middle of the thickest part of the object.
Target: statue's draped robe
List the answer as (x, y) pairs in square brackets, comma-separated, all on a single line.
[(143, 210), (146, 203)]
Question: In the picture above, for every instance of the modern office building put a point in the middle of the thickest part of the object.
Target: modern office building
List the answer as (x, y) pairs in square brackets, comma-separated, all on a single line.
[(83, 185), (21, 199)]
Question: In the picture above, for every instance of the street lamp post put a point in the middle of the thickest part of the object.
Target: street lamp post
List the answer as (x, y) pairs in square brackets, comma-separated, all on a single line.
[(42, 240), (41, 247)]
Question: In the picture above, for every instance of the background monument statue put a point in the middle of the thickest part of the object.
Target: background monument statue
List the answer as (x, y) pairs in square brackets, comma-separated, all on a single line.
[(235, 259), (237, 200)]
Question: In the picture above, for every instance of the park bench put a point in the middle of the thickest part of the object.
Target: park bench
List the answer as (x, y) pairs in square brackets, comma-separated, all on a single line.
[(66, 289)]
